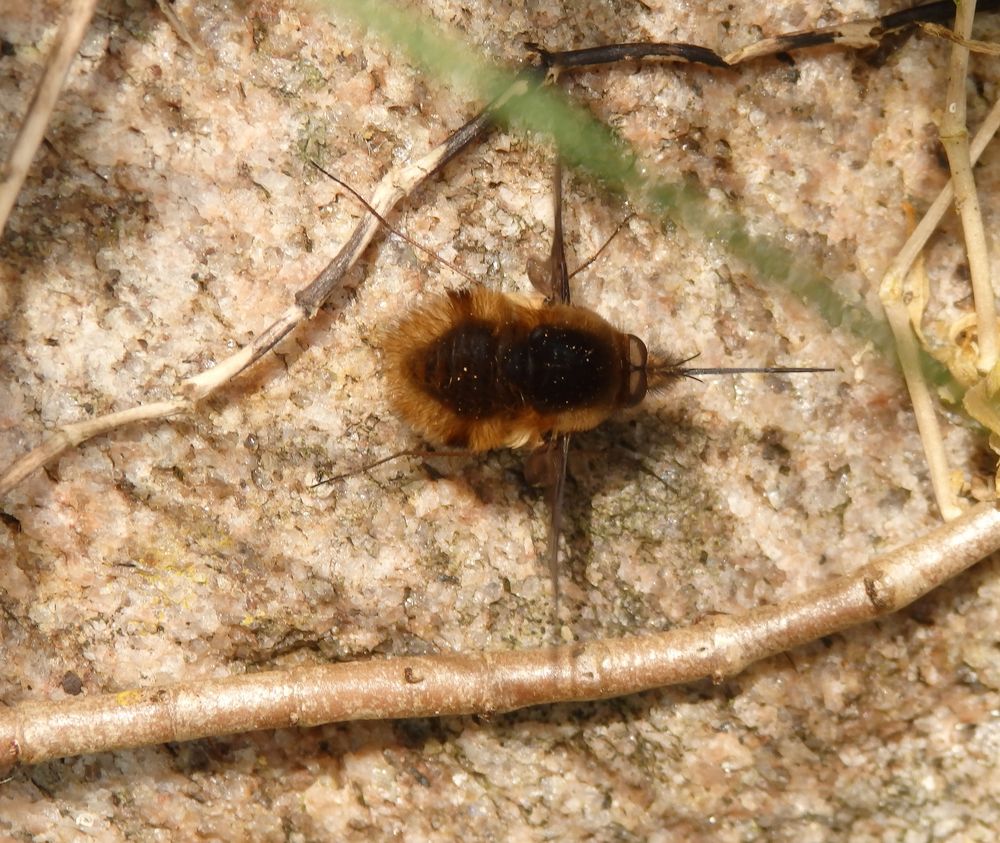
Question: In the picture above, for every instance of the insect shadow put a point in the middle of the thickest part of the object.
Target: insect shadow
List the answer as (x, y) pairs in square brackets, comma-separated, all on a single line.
[(639, 482)]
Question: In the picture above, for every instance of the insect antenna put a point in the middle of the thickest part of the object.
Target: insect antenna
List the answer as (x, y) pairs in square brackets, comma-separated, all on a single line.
[(392, 230)]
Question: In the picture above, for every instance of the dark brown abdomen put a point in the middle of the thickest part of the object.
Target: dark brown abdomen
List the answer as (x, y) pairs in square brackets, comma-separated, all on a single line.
[(459, 370)]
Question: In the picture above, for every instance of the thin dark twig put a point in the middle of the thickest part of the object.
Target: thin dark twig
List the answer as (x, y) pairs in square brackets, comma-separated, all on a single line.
[(860, 33), (611, 53)]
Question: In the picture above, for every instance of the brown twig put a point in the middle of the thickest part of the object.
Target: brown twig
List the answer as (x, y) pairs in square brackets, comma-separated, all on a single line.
[(179, 27), (32, 130), (487, 683), (986, 48), (855, 34)]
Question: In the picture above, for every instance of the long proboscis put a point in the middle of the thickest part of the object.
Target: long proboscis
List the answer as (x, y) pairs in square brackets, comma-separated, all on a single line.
[(743, 370), (661, 369)]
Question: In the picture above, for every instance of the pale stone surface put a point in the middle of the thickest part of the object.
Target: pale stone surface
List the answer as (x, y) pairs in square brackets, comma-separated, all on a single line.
[(172, 214)]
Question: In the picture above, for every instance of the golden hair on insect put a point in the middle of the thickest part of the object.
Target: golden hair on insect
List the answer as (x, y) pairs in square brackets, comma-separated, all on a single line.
[(478, 369)]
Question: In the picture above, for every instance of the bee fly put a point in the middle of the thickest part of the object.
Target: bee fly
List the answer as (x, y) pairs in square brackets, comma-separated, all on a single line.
[(478, 370), (474, 369)]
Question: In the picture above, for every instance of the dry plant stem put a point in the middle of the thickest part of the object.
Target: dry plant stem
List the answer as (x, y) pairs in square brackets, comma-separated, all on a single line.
[(923, 408), (955, 138), (393, 187), (70, 435), (178, 26), (987, 48), (856, 34), (32, 130), (486, 683), (901, 264), (891, 294)]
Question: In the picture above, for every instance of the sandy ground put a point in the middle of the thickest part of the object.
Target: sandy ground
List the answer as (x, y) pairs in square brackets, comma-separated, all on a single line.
[(171, 214)]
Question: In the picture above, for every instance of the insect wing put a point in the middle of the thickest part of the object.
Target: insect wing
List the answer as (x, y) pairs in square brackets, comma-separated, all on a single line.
[(560, 447), (558, 454), (551, 277), (560, 272)]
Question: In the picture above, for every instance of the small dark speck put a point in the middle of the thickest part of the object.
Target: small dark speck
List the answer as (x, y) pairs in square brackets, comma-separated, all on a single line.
[(773, 448), (941, 157), (6, 48), (431, 472), (193, 758), (967, 676), (11, 521), (922, 612), (71, 683), (421, 779)]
